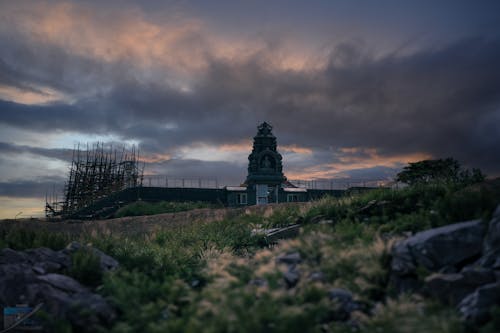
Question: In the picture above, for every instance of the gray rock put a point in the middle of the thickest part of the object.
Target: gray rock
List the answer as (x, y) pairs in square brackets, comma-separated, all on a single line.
[(63, 282), (492, 239), (289, 259), (436, 248), (452, 288), (291, 277), (47, 267), (29, 277), (448, 270), (317, 277), (45, 258), (9, 256), (490, 260), (344, 303), (44, 254), (258, 282), (476, 307)]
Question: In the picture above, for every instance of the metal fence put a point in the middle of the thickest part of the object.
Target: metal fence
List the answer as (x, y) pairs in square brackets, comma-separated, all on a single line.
[(324, 184), (341, 184), (165, 181)]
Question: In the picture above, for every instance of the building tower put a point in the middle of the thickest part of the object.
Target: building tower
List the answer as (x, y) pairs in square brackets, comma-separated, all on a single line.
[(265, 168)]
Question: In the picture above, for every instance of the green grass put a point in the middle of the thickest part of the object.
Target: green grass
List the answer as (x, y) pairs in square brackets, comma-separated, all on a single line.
[(140, 208), (195, 278)]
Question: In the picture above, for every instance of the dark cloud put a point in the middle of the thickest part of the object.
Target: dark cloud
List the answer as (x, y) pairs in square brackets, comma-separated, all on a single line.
[(32, 188), (55, 153), (442, 100)]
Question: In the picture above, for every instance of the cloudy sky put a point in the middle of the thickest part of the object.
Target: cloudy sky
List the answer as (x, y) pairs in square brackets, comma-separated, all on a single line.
[(353, 88)]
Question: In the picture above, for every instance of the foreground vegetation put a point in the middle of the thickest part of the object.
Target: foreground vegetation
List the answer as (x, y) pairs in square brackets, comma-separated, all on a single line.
[(217, 277)]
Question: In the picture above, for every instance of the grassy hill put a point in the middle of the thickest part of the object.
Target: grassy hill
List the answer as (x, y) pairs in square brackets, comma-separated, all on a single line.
[(219, 277)]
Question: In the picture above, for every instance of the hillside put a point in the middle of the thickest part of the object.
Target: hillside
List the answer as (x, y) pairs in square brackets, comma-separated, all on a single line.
[(358, 264)]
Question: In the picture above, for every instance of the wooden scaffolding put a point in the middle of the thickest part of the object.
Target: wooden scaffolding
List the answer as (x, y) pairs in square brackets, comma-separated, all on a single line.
[(95, 173)]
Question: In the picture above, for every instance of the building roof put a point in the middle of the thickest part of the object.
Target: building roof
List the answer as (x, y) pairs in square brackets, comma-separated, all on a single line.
[(236, 188), (294, 189)]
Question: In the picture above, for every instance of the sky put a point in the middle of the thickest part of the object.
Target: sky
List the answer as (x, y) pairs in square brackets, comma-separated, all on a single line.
[(352, 88)]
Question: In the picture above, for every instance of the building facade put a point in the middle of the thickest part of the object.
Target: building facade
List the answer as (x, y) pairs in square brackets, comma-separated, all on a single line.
[(265, 182)]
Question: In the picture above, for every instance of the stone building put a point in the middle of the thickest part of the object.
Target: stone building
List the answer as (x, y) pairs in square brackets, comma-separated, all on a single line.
[(265, 181)]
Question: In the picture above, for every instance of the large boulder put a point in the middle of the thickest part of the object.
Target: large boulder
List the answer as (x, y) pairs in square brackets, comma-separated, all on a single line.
[(436, 248), (36, 276), (344, 303), (492, 239), (491, 245), (476, 307), (452, 288), (446, 248)]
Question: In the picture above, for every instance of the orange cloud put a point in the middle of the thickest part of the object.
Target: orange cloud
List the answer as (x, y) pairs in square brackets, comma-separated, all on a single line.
[(368, 158), (37, 96), (179, 43), (243, 146), (155, 158), (295, 149)]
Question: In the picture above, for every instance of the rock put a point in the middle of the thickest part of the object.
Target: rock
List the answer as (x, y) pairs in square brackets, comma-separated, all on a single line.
[(448, 269), (476, 307), (491, 245), (9, 256), (44, 258), (258, 282), (436, 248), (317, 277), (492, 239), (289, 259), (46, 255), (452, 288), (490, 260), (344, 302), (291, 277), (63, 282), (31, 277)]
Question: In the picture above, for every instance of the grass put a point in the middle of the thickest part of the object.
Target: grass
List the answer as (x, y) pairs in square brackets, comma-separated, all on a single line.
[(198, 278), (140, 208)]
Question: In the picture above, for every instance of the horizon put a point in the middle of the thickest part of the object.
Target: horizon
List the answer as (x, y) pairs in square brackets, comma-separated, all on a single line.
[(353, 91)]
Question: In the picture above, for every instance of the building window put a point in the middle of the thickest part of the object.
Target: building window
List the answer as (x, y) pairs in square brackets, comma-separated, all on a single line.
[(241, 198), (292, 198)]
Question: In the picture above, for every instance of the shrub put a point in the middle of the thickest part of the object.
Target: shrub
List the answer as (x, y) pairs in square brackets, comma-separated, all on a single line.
[(85, 267)]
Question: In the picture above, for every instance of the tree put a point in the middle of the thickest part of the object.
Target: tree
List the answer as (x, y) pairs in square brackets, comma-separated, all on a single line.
[(441, 170)]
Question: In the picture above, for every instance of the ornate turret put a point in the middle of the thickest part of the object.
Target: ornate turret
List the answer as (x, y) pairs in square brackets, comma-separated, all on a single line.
[(265, 165)]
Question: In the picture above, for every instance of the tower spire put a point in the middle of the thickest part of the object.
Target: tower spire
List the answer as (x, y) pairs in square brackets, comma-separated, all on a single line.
[(265, 163)]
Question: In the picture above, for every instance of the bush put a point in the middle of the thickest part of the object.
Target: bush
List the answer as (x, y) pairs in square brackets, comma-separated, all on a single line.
[(85, 267)]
